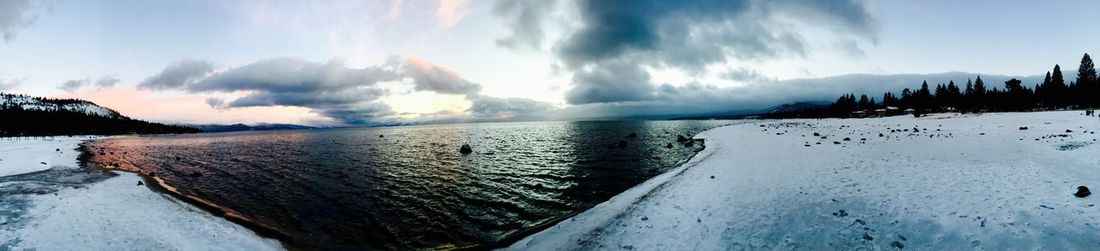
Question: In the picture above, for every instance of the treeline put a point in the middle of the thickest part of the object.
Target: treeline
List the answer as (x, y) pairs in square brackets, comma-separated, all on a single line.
[(18, 121), (975, 96)]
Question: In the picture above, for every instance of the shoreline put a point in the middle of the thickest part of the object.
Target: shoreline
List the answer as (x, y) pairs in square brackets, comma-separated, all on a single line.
[(104, 200), (962, 180), (160, 186), (520, 236)]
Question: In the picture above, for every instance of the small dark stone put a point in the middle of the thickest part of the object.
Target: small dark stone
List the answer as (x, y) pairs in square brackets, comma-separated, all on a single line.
[(681, 138), (177, 158), (1023, 128), (42, 163), (897, 244), (836, 142), (669, 145), (817, 134), (847, 139), (140, 183), (381, 136), (1082, 191), (712, 176), (868, 237), (465, 149), (1069, 131), (645, 218), (880, 135), (57, 149)]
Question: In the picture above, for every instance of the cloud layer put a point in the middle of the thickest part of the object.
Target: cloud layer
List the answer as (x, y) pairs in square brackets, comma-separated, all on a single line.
[(101, 83), (332, 89), (14, 15), (616, 41)]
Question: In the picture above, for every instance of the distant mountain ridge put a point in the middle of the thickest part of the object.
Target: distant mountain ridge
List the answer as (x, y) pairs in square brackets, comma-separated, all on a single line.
[(26, 116), (242, 127)]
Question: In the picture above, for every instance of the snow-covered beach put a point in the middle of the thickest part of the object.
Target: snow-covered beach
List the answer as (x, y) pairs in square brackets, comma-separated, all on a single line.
[(944, 181), (48, 202)]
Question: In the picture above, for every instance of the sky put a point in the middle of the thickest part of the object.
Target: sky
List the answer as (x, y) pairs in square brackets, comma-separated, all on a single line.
[(378, 62)]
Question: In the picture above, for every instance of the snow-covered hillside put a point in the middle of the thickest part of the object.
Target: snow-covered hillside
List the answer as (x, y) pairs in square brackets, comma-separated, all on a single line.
[(947, 181), (44, 104)]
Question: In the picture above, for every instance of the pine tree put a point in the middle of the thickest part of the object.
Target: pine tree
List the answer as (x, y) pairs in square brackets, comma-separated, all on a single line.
[(980, 92), (1088, 88)]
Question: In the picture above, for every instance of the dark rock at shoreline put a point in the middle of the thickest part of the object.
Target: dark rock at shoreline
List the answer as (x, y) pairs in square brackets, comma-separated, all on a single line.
[(465, 149), (689, 143), (140, 183), (681, 138), (1082, 191)]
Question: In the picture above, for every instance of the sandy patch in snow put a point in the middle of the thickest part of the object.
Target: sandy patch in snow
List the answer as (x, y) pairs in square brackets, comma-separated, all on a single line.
[(61, 207), (957, 182)]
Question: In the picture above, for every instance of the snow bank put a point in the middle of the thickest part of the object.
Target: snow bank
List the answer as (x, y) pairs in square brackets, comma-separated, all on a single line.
[(25, 154), (64, 208), (959, 181)]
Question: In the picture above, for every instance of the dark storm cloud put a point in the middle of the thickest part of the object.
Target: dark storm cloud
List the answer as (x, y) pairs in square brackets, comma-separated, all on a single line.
[(524, 18), (494, 107), (14, 15), (348, 95), (614, 82), (616, 40), (363, 113), (291, 75), (177, 75)]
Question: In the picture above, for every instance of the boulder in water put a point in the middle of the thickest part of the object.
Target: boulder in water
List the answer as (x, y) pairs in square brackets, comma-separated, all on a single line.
[(633, 135), (669, 145), (465, 149), (681, 138), (1082, 191)]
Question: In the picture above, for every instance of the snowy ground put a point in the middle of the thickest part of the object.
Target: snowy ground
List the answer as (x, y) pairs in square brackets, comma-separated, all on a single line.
[(58, 206), (958, 182)]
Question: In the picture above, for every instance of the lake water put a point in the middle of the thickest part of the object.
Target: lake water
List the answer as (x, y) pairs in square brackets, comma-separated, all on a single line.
[(408, 187)]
